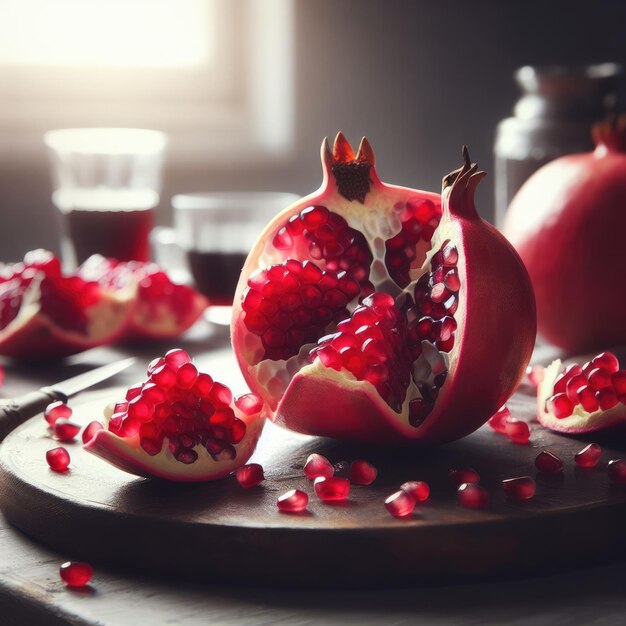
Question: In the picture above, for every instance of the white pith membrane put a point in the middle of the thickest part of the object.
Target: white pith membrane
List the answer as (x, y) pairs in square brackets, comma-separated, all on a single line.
[(378, 218), (579, 421)]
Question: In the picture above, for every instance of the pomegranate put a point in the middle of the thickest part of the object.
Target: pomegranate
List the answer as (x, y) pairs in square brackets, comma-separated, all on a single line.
[(163, 310), (568, 215), (44, 314), (581, 399), (179, 427), (364, 310)]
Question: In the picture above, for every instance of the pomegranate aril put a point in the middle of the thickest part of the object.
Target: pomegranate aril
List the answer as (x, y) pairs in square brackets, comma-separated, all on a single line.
[(520, 488), (317, 465), (618, 380), (362, 473), (176, 357), (606, 361), (517, 430), (64, 430), (466, 475), (58, 459), (417, 489), (560, 406), (203, 385), (498, 420), (76, 574), (293, 501), (400, 504), (599, 379), (616, 469), (573, 385), (589, 456), (186, 456), (249, 403), (606, 399), (140, 408), (473, 496), (250, 475), (164, 377), (134, 391), (55, 411), (331, 489), (90, 430), (548, 462), (186, 375), (587, 399)]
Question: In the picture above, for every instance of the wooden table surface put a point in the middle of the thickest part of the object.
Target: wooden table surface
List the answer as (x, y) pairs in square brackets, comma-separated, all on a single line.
[(32, 593)]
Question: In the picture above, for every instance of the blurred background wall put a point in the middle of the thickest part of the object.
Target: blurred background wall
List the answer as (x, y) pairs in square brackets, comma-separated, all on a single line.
[(418, 78)]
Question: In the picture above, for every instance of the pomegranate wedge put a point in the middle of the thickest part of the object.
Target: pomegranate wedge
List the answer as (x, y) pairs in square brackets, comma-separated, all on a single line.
[(368, 311), (180, 425)]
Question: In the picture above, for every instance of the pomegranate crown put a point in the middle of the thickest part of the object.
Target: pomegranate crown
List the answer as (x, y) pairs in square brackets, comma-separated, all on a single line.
[(352, 173), (611, 133), (459, 186)]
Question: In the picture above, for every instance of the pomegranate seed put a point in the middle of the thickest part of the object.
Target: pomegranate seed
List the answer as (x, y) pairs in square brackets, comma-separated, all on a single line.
[(467, 475), (64, 430), (55, 411), (573, 385), (186, 375), (498, 420), (249, 403), (599, 379), (560, 406), (548, 462), (617, 471), (587, 399), (362, 473), (58, 459), (606, 361), (589, 456), (331, 489), (134, 391), (176, 358), (250, 475), (90, 430), (317, 465), (293, 501), (76, 574), (517, 430), (606, 399), (521, 488), (164, 377), (417, 489), (140, 409), (618, 379), (473, 496), (400, 504)]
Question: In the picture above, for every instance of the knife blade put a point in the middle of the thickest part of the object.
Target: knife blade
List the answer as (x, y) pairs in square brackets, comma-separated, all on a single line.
[(16, 411)]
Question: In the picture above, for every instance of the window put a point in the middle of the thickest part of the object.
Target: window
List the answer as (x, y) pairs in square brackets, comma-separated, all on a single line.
[(214, 74)]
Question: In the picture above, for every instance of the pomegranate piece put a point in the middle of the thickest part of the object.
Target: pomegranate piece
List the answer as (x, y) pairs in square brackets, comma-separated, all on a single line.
[(517, 430), (582, 399), (90, 430), (473, 496), (250, 475), (466, 475), (317, 465), (589, 456), (400, 504), (520, 488), (169, 429), (56, 410), (498, 420), (331, 489), (76, 574), (548, 462), (362, 473), (64, 430), (58, 459), (617, 471), (417, 489), (324, 310), (293, 501)]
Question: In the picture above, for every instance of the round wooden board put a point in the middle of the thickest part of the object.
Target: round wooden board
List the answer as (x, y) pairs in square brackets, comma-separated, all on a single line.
[(221, 532)]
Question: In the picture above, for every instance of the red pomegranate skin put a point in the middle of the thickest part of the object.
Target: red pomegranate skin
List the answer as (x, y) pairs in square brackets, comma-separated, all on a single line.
[(568, 222)]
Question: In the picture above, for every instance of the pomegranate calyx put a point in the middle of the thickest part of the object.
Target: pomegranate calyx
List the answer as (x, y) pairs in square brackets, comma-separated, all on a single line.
[(459, 186), (352, 173), (610, 134)]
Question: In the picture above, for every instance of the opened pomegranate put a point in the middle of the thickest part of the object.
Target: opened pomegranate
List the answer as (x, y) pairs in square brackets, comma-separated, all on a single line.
[(45, 314), (366, 311), (567, 223), (180, 425), (581, 399), (163, 309)]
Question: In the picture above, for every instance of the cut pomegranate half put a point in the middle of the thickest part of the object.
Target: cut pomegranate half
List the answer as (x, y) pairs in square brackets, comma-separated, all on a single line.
[(366, 311), (581, 399), (181, 430)]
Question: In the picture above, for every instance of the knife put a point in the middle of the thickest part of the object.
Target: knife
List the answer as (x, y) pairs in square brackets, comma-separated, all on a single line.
[(15, 411)]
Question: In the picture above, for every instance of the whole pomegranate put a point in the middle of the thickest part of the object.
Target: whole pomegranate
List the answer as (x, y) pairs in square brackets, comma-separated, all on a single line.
[(366, 311), (567, 222)]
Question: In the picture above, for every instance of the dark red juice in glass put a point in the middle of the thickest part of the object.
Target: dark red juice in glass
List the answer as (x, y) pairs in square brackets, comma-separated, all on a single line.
[(216, 273)]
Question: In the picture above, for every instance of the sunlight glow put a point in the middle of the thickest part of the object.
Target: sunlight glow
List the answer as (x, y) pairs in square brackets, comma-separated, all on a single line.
[(116, 33)]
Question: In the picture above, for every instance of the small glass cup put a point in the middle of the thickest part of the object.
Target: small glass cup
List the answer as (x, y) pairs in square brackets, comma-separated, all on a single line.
[(107, 182)]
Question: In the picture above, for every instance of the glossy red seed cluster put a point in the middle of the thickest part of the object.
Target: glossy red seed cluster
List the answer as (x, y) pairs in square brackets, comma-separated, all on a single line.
[(372, 345), (589, 456), (318, 465), (64, 430), (55, 411), (362, 472), (183, 405), (250, 475), (419, 220), (597, 385), (58, 459), (331, 489), (519, 488), (291, 304), (548, 462), (293, 501), (76, 574), (473, 496), (616, 469)]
